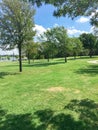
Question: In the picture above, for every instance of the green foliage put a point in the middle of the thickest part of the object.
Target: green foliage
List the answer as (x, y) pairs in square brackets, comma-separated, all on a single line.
[(71, 8), (89, 42), (56, 40), (16, 23), (77, 46), (94, 19), (8, 57), (75, 8), (63, 43), (49, 43), (31, 50)]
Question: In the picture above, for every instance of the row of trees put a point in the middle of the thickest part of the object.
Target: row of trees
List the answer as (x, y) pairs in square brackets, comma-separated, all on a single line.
[(56, 43), (17, 22)]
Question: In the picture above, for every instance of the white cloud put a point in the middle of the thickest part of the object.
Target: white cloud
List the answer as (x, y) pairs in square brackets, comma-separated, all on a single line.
[(74, 32), (39, 29), (55, 25), (86, 19), (83, 20)]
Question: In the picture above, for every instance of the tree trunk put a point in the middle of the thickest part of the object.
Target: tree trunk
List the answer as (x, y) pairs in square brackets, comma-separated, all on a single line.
[(33, 59), (48, 59), (29, 61), (65, 59), (28, 58), (20, 58), (90, 53), (74, 56), (90, 56)]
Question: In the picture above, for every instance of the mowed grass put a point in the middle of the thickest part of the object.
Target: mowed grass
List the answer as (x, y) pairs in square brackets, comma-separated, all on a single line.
[(49, 96)]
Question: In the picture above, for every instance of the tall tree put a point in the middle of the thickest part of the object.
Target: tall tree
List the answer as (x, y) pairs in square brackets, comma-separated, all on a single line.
[(49, 40), (31, 49), (56, 39), (16, 23), (89, 42), (77, 46), (63, 43)]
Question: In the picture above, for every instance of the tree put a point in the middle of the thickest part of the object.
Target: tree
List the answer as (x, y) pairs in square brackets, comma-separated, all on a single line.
[(63, 43), (56, 39), (77, 46), (49, 40), (31, 50), (47, 50), (89, 42), (16, 23)]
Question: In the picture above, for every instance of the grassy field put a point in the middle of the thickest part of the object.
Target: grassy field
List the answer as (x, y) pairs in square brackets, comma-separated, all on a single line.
[(49, 96)]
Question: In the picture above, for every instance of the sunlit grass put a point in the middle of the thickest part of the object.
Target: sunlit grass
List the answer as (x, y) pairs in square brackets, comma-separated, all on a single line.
[(44, 85)]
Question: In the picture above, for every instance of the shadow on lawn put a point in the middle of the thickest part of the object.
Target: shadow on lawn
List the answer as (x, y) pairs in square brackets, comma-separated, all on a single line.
[(49, 120), (3, 74), (42, 64), (91, 70)]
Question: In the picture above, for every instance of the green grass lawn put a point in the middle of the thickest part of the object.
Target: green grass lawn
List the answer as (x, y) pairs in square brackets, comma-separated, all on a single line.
[(49, 96)]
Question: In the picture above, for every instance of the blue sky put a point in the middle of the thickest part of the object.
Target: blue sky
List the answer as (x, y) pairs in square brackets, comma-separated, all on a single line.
[(44, 19)]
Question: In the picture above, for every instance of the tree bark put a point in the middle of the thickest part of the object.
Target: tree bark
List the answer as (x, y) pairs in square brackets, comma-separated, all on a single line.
[(29, 61), (91, 52), (74, 57), (33, 59), (48, 59), (28, 58), (65, 59), (20, 58)]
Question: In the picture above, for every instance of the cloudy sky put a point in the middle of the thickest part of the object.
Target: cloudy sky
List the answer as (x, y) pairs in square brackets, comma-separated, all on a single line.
[(44, 19)]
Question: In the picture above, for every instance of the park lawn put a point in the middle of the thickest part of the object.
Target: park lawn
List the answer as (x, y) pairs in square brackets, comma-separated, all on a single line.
[(49, 96)]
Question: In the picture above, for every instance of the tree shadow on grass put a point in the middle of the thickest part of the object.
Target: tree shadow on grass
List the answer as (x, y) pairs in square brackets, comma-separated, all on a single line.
[(11, 65), (91, 70), (88, 113), (3, 74), (42, 64), (15, 122), (48, 119), (51, 121), (86, 109)]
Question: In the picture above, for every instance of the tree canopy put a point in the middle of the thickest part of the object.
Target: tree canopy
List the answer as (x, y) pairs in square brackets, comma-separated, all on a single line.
[(77, 46), (56, 40), (16, 23), (89, 42), (72, 8)]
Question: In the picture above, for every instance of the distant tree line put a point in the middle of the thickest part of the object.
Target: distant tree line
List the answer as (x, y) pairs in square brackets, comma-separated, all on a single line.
[(56, 43)]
